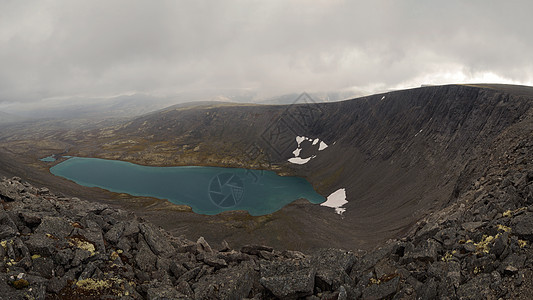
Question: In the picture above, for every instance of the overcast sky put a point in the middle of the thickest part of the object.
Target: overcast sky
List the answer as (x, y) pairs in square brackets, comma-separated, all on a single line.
[(58, 49)]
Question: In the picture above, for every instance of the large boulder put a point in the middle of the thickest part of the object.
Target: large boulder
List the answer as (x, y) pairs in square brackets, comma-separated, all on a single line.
[(476, 288), (426, 251), (288, 279), (381, 290), (56, 226), (229, 283), (522, 226), (145, 258), (43, 245), (332, 268), (158, 243)]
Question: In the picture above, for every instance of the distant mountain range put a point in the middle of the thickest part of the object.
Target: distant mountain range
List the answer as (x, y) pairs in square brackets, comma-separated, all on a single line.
[(125, 106)]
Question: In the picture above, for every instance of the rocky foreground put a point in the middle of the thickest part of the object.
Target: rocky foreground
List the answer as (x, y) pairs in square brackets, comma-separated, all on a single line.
[(479, 247)]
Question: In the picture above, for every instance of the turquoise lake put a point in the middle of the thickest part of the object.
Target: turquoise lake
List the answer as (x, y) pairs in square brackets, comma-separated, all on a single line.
[(207, 190)]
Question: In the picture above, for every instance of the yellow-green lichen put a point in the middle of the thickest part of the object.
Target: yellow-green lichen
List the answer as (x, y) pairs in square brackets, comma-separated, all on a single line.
[(477, 270), (95, 287), (85, 245), (448, 256), (483, 245), (114, 255), (4, 243), (504, 228), (91, 284)]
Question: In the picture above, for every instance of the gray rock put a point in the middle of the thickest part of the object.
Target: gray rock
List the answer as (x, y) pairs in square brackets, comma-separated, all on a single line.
[(228, 283), (30, 219), (113, 235), (145, 258), (288, 279), (471, 226), (266, 255), (44, 267), (477, 288), (381, 290), (25, 263), (510, 270), (202, 245), (427, 231), (522, 226), (332, 268), (7, 232), (88, 271), (225, 246), (343, 295), (56, 226), (131, 228), (291, 254), (156, 240), (212, 260), (63, 256), (234, 256), (500, 244), (184, 288), (513, 260), (56, 284), (93, 234), (177, 269), (469, 247), (427, 251), (255, 249), (80, 256), (42, 245), (369, 260), (8, 228), (124, 244), (190, 275), (164, 292)]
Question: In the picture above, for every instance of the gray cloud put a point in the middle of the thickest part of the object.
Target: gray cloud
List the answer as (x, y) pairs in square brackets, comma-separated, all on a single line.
[(97, 48)]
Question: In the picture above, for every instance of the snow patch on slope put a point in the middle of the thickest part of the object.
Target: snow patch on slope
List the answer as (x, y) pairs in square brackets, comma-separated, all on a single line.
[(299, 160), (336, 200)]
